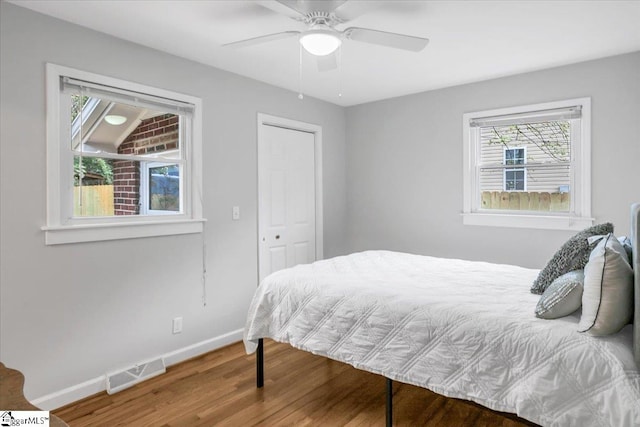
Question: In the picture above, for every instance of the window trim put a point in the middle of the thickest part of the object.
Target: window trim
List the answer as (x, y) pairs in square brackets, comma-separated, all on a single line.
[(579, 216), (59, 230)]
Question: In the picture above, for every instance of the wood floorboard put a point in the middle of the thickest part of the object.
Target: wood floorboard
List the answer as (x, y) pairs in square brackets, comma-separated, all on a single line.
[(218, 389)]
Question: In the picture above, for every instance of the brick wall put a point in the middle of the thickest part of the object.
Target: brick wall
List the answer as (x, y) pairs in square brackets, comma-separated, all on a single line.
[(152, 135)]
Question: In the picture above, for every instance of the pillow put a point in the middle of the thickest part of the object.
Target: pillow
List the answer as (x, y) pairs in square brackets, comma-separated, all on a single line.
[(562, 297), (626, 244), (607, 300), (573, 255)]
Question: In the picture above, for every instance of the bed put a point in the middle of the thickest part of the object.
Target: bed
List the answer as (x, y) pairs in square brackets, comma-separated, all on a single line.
[(462, 329)]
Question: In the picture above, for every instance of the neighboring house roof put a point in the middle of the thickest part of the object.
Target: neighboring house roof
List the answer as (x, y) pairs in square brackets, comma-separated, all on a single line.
[(98, 134)]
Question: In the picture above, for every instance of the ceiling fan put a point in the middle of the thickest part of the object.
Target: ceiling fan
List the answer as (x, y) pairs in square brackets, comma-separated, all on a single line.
[(321, 37)]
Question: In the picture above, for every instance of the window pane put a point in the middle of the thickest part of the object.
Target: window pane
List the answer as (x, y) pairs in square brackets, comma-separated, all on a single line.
[(106, 187), (93, 193), (164, 188), (545, 142), (544, 184), (514, 180), (117, 128), (509, 156), (126, 187), (514, 156), (77, 103), (118, 186)]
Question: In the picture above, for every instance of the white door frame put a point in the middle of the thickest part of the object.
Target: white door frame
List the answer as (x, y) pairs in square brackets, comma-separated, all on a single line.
[(316, 130)]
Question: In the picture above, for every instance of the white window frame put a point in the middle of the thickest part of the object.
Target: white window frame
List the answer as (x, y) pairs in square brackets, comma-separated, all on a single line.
[(524, 180), (516, 167), (579, 215), (504, 155), (61, 226), (144, 189)]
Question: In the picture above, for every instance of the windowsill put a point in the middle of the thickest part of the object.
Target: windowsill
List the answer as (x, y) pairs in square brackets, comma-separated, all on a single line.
[(58, 235), (544, 222)]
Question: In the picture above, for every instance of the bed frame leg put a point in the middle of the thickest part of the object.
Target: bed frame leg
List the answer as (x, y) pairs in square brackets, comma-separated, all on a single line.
[(389, 405), (260, 364)]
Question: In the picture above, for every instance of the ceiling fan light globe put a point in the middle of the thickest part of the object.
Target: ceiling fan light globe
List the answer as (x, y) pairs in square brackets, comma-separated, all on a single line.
[(320, 42)]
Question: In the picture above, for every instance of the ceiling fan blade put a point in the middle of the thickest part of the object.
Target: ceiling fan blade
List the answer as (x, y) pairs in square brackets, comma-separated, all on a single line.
[(398, 41), (307, 6), (327, 62), (281, 8), (261, 39), (350, 10)]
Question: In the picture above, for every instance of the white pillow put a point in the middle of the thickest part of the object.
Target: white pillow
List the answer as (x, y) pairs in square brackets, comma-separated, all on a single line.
[(607, 300), (626, 244), (562, 297)]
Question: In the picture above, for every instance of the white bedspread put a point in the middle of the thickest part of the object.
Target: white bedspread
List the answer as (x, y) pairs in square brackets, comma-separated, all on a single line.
[(462, 329)]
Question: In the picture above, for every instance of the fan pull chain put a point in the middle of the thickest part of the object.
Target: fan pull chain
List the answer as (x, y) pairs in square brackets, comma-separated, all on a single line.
[(300, 95), (340, 72), (204, 266)]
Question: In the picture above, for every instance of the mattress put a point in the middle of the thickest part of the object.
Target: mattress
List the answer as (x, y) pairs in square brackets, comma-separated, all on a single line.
[(459, 328)]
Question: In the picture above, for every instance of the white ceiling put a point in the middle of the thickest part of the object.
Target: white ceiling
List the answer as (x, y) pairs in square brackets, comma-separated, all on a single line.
[(469, 40)]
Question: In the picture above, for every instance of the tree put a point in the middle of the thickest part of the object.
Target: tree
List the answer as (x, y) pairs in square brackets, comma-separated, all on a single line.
[(77, 103), (95, 165), (553, 137)]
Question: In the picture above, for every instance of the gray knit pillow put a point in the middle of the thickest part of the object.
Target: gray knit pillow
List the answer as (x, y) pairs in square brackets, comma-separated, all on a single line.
[(573, 255)]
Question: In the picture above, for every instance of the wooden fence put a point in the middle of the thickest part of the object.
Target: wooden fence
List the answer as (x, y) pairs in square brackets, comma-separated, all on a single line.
[(97, 200), (526, 201)]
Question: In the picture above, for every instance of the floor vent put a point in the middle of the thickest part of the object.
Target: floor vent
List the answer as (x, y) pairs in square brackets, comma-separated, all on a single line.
[(120, 380)]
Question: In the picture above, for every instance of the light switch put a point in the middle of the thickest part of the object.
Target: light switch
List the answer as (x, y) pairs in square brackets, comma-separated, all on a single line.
[(236, 213)]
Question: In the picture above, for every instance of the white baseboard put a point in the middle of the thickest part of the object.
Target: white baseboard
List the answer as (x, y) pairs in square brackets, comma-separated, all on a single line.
[(76, 392), (71, 394), (202, 347)]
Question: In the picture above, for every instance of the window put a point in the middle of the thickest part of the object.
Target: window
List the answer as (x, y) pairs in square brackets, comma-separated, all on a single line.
[(123, 159), (515, 178), (528, 166), (161, 189)]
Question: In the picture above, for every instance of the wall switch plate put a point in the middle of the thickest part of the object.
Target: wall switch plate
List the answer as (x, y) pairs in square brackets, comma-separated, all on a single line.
[(177, 325), (236, 213)]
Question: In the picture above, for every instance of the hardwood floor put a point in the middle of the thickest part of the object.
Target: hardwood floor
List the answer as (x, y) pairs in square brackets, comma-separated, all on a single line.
[(300, 389)]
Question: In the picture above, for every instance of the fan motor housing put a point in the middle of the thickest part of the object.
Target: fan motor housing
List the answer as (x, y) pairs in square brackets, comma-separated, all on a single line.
[(321, 18)]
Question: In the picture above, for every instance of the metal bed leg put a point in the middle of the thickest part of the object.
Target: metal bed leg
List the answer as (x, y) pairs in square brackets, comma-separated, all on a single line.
[(260, 364), (389, 406)]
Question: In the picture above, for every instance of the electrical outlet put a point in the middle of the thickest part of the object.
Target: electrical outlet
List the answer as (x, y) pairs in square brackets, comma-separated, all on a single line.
[(235, 213), (177, 325)]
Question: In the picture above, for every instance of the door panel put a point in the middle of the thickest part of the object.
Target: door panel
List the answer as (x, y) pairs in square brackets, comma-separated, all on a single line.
[(277, 258), (301, 252), (278, 200), (286, 173)]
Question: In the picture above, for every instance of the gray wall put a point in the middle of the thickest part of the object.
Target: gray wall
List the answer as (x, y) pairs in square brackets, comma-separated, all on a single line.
[(69, 313), (72, 312), (404, 158)]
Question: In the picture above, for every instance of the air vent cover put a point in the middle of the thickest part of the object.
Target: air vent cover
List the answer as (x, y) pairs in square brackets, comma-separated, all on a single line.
[(120, 380)]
